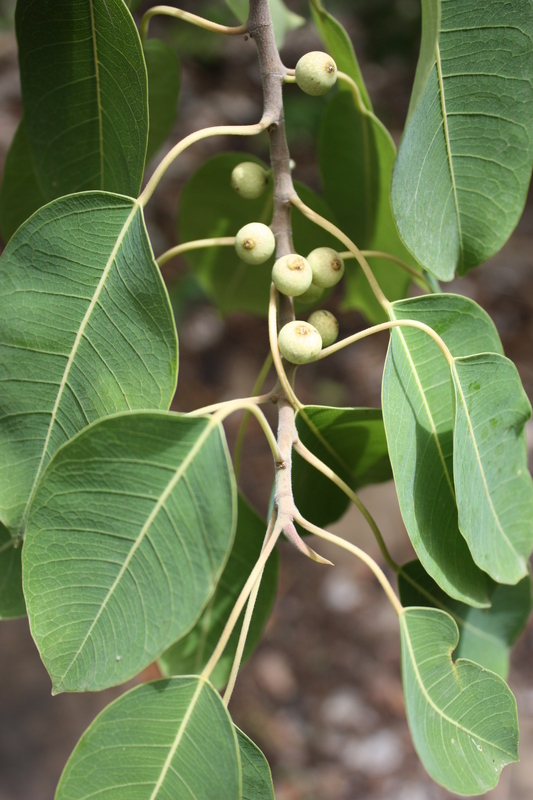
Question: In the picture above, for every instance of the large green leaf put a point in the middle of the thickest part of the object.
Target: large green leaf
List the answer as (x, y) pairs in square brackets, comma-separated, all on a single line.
[(256, 777), (166, 739), (356, 156), (283, 19), (349, 440), (163, 90), (493, 486), (462, 717), (20, 193), (463, 167), (418, 417), (85, 98), (11, 598), (128, 533), (191, 653), (86, 330), (339, 47), (486, 634), (232, 284)]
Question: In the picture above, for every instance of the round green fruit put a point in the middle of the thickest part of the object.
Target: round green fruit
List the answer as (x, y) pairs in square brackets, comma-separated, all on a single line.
[(249, 180), (299, 342), (326, 324), (255, 243), (327, 266), (316, 73), (311, 296), (292, 274)]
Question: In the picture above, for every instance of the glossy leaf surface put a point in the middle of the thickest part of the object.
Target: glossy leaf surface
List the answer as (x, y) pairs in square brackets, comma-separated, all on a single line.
[(128, 534), (486, 634), (464, 163), (170, 738), (191, 653), (356, 157), (462, 717), (352, 442), (494, 488), (232, 284), (11, 598), (256, 777), (85, 106), (163, 70), (20, 193), (418, 417), (75, 344)]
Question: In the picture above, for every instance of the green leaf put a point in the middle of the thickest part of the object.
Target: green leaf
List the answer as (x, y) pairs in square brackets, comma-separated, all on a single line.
[(20, 193), (11, 598), (486, 635), (349, 440), (494, 488), (356, 157), (191, 653), (129, 530), (240, 8), (163, 90), (256, 777), (167, 739), (463, 167), (232, 284), (85, 98), (418, 417), (87, 330), (462, 717), (283, 19), (340, 47)]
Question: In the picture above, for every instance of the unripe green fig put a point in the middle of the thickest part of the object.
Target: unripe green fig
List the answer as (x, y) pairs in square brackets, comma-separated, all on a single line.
[(292, 274), (311, 296), (249, 180), (316, 73), (327, 266), (255, 243), (299, 342), (326, 324)]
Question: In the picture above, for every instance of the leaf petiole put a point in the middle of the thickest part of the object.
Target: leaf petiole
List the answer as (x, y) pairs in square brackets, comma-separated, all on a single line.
[(186, 16), (356, 551), (192, 138), (331, 228), (265, 369), (197, 244), (248, 617), (383, 326), (329, 473), (241, 600), (420, 278), (274, 347)]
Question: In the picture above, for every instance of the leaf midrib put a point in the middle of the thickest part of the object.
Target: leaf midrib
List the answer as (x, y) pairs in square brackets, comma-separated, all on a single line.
[(110, 262), (425, 403), (468, 626), (181, 730), (428, 699), (438, 65), (211, 424), (479, 462), (98, 95)]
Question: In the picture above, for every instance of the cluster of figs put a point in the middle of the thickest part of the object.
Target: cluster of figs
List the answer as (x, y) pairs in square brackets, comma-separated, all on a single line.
[(305, 278)]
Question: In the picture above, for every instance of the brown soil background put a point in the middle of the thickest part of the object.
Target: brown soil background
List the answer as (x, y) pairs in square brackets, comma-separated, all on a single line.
[(322, 694)]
